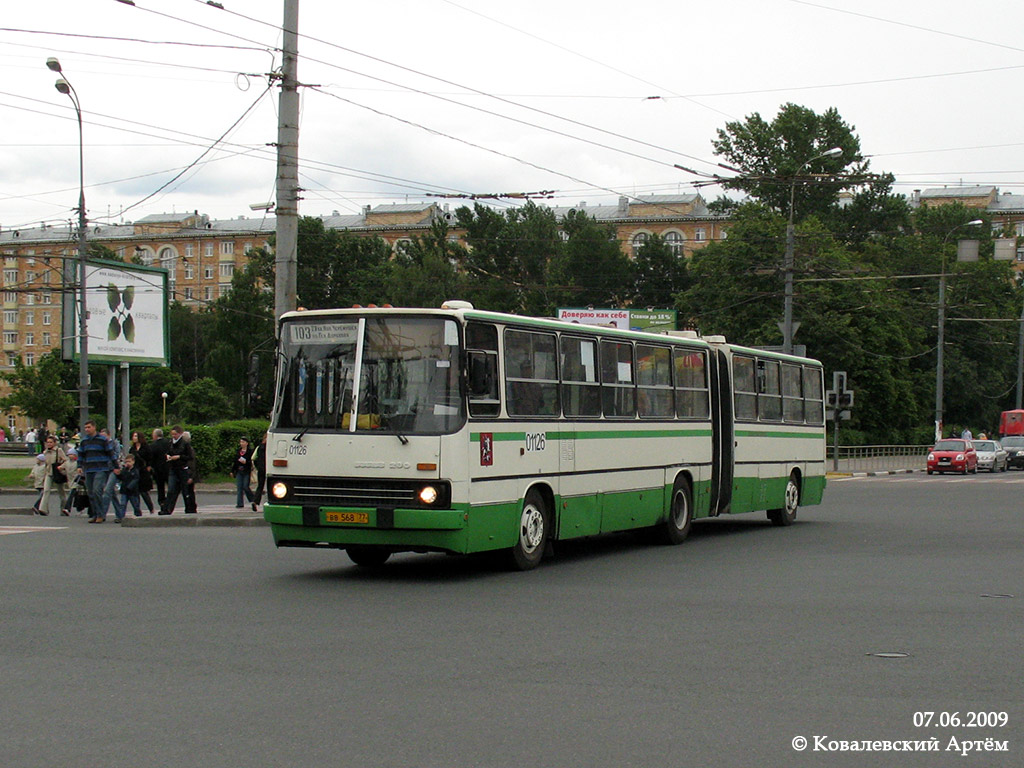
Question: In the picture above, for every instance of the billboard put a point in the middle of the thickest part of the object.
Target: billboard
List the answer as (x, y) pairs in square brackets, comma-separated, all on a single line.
[(627, 319), (127, 315)]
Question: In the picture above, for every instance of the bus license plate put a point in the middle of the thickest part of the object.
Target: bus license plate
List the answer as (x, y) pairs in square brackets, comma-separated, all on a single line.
[(360, 518)]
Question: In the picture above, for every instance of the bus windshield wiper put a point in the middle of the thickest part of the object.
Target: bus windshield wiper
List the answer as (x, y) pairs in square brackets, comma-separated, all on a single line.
[(298, 437)]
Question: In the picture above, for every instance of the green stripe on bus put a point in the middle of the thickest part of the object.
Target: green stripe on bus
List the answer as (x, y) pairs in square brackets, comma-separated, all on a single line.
[(813, 432)]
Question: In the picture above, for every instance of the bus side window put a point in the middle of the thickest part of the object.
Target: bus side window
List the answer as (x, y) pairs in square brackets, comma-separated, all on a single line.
[(483, 384), (745, 386), (482, 369)]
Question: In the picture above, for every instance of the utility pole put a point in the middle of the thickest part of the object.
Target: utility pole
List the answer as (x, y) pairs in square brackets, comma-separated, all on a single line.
[(286, 253)]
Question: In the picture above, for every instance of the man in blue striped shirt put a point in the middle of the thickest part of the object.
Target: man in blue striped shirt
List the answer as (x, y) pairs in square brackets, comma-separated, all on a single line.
[(96, 458)]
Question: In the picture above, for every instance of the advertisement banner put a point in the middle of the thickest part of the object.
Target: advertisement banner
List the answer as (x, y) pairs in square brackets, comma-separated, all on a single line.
[(654, 320), (127, 314)]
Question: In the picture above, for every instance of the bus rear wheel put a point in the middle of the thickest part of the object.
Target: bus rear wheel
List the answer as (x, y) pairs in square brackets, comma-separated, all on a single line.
[(787, 515), (368, 557), (534, 522), (680, 514)]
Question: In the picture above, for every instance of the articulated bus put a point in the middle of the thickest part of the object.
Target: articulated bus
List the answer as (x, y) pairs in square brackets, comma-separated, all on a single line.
[(460, 431)]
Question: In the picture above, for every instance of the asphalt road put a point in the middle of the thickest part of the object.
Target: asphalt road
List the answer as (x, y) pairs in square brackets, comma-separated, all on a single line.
[(207, 647)]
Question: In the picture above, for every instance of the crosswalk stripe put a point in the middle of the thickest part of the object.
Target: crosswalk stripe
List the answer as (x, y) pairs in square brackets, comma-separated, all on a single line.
[(8, 530)]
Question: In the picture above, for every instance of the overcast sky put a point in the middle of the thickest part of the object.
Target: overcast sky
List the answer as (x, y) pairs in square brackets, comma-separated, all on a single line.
[(408, 97)]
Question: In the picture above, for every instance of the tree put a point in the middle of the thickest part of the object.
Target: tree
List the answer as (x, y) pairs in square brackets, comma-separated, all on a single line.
[(42, 391), (770, 156), (509, 256), (589, 268), (426, 270), (202, 402), (659, 273), (241, 323), (148, 404)]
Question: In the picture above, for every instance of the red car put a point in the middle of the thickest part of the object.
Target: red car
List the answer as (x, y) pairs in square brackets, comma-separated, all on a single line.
[(953, 455)]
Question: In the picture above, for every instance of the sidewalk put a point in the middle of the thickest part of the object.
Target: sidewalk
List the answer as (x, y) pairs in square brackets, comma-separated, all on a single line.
[(216, 514)]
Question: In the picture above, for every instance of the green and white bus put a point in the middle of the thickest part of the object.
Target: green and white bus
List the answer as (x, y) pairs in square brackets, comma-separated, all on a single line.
[(460, 431)]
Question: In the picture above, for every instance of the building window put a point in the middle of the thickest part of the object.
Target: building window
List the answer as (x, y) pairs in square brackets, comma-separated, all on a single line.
[(227, 269), (188, 294), (189, 272), (47, 339), (208, 249), (120, 253), (12, 359), (47, 297), (11, 421), (30, 317), (227, 248), (639, 241), (10, 275), (700, 235), (247, 248), (1019, 228), (30, 276), (224, 289), (723, 233), (30, 339), (30, 358), (190, 250), (30, 299), (208, 293), (208, 273), (10, 317), (10, 337), (674, 241), (47, 317), (10, 297)]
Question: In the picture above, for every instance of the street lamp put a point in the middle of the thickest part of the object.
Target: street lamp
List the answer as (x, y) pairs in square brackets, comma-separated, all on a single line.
[(940, 356), (787, 314), (65, 87), (164, 422)]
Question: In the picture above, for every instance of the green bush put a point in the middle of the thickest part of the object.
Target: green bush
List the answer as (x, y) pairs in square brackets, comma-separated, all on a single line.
[(215, 445)]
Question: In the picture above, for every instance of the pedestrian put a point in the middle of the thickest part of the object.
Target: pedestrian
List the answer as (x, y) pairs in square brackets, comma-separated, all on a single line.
[(3, 435), (180, 472), (75, 481), (241, 470), (56, 478), (97, 459), (140, 450), (966, 434), (30, 438), (259, 463), (37, 476), (128, 474), (158, 466)]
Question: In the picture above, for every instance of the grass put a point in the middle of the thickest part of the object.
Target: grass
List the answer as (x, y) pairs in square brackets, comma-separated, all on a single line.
[(15, 479)]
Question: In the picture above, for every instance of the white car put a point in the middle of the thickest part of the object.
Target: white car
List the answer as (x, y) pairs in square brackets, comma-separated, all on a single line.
[(991, 455)]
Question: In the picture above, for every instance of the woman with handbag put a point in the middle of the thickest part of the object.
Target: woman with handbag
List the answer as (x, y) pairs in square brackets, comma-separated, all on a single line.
[(55, 478)]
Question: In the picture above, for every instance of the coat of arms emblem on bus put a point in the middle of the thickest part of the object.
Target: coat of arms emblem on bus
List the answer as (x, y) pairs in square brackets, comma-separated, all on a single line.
[(486, 449), (120, 302)]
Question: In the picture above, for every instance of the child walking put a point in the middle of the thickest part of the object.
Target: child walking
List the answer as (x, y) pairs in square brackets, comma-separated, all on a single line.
[(38, 477)]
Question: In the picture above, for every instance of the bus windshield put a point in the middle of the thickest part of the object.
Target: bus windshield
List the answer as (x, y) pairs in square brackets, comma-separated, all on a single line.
[(407, 377)]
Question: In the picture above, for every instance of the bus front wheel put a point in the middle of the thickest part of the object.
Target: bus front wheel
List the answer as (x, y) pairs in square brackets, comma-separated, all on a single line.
[(680, 514), (787, 515), (533, 532), (368, 557)]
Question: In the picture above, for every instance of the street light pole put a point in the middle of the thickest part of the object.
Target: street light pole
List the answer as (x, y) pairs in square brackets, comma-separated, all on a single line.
[(787, 313), (941, 343), (63, 86)]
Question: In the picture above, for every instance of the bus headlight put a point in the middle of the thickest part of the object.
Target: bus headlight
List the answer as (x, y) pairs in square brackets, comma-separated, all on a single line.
[(279, 490), (428, 494)]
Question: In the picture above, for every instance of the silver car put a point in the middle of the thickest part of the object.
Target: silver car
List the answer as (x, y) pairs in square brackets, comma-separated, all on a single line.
[(991, 455)]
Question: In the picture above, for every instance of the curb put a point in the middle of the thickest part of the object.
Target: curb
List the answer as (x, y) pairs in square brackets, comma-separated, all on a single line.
[(199, 519), (881, 472)]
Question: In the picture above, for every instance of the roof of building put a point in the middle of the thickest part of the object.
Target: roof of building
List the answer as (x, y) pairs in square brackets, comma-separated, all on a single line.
[(975, 191)]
